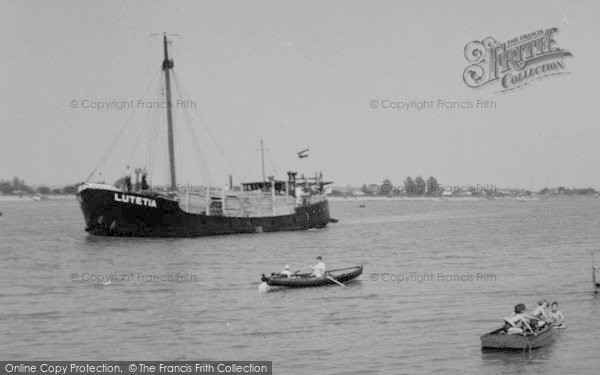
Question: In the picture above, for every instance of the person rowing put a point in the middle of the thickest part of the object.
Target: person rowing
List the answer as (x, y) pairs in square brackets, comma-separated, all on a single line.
[(319, 268), (518, 322), (286, 271), (541, 313)]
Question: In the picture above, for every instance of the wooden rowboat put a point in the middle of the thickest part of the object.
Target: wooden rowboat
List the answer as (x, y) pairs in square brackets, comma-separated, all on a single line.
[(342, 275), (499, 339)]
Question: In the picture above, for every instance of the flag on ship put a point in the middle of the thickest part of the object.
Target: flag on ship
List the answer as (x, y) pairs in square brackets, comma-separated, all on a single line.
[(303, 154)]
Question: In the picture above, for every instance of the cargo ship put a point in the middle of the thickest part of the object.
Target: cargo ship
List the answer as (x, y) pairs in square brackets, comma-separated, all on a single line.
[(139, 210)]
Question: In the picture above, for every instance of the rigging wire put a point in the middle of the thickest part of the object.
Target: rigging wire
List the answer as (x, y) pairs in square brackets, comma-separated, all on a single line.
[(153, 138), (272, 164), (181, 90), (198, 150), (115, 141), (149, 154), (153, 142), (204, 170), (139, 138), (166, 167), (251, 168)]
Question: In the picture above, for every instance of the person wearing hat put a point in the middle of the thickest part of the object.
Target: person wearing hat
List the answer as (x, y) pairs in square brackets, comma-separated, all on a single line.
[(286, 271), (319, 268)]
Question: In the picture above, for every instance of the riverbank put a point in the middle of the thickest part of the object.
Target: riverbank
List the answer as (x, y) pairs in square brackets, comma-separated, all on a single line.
[(34, 198), (434, 199)]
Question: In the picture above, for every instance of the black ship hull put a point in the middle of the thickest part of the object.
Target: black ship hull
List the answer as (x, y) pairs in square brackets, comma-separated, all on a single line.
[(110, 212)]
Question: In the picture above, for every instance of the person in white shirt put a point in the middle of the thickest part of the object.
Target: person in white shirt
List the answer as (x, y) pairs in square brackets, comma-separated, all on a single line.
[(286, 271), (319, 268), (556, 317), (518, 323), (541, 313)]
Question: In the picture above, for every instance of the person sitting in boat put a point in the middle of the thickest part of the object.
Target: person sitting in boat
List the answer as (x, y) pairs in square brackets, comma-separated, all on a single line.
[(319, 268), (541, 313), (286, 271), (556, 317), (518, 322)]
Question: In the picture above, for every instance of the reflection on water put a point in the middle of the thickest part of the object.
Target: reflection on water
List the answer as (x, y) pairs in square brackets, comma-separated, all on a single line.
[(402, 325)]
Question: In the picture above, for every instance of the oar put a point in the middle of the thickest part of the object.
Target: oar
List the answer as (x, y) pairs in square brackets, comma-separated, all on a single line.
[(334, 280), (330, 278), (529, 328)]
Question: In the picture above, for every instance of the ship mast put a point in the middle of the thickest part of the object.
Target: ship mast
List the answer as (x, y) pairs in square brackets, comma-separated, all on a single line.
[(168, 64)]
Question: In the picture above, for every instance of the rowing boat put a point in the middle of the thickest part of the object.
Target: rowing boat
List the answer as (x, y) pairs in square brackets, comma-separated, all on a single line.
[(499, 339), (341, 275)]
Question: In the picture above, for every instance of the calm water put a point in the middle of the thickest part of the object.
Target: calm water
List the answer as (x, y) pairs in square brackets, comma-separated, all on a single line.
[(533, 249)]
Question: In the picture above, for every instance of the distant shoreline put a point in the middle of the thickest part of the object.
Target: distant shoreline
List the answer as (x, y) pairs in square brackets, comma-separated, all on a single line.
[(456, 199), (422, 198), (29, 198), (68, 197)]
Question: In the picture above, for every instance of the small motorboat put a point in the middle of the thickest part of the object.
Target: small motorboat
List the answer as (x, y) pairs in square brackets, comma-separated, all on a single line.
[(338, 276), (500, 339)]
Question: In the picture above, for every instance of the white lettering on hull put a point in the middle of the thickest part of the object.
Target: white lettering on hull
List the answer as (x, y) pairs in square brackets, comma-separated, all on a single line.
[(132, 199)]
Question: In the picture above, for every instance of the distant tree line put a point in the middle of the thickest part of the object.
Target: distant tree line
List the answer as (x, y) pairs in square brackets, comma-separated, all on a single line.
[(419, 187), (18, 187), (561, 190), (414, 187)]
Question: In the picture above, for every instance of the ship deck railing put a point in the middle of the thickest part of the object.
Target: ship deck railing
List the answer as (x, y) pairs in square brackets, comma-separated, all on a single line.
[(237, 203)]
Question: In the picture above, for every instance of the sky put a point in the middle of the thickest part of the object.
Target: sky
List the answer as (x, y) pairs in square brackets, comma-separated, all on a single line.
[(295, 74)]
